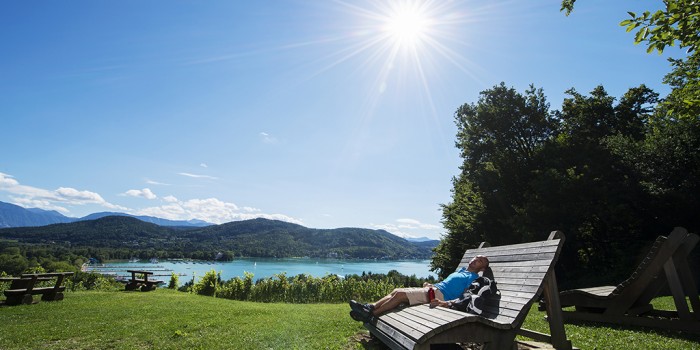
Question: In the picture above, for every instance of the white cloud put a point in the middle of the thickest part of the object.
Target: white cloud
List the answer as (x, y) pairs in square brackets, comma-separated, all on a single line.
[(203, 165), (38, 203), (408, 228), (73, 196), (170, 199), (50, 200), (198, 176), (393, 229), (211, 210), (151, 182), (144, 193), (7, 181), (415, 224), (251, 209), (267, 138)]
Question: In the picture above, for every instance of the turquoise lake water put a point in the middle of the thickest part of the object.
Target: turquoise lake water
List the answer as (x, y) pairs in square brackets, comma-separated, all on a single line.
[(262, 268)]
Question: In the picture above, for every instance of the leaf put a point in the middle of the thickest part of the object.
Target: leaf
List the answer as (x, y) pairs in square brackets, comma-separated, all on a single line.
[(638, 37), (632, 26)]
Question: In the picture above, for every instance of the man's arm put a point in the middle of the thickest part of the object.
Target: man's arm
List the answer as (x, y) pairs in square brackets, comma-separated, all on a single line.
[(437, 302)]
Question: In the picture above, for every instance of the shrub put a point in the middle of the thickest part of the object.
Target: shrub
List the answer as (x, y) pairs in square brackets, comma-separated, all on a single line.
[(91, 281), (208, 284), (174, 281)]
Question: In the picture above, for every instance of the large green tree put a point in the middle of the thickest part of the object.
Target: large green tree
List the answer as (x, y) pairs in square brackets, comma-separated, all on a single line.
[(527, 171), (499, 138), (667, 159), (611, 175)]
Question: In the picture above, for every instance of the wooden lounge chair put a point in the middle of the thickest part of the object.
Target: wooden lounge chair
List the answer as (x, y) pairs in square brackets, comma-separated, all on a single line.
[(628, 303), (523, 272)]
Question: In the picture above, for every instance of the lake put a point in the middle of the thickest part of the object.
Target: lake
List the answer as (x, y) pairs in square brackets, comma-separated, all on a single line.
[(267, 267)]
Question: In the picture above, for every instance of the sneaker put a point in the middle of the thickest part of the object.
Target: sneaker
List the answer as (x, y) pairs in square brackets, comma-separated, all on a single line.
[(355, 316), (362, 312), (356, 306), (364, 318)]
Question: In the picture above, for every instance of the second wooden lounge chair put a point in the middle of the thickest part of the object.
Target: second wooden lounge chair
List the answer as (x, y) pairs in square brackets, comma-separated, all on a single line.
[(629, 303)]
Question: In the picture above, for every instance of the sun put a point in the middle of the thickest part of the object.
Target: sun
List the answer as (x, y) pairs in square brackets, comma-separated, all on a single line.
[(407, 25)]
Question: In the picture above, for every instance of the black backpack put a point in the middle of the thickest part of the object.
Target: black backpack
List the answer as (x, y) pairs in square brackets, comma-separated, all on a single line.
[(475, 297)]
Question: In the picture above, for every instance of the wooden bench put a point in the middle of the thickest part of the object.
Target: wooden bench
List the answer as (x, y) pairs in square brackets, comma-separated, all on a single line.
[(522, 272), (629, 303), (23, 288), (145, 284)]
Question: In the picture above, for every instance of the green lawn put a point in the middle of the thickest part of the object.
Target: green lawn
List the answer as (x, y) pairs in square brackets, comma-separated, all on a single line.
[(600, 336), (165, 319)]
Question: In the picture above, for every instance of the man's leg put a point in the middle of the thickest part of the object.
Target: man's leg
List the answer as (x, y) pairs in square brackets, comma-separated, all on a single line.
[(389, 302), (383, 300)]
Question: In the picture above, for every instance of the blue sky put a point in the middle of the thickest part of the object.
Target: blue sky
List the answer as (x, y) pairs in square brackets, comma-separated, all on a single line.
[(323, 113)]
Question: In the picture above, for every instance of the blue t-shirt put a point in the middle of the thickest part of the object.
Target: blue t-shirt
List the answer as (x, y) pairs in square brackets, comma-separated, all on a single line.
[(454, 285)]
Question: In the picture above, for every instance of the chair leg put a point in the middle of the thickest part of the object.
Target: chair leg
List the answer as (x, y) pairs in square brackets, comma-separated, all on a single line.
[(27, 299)]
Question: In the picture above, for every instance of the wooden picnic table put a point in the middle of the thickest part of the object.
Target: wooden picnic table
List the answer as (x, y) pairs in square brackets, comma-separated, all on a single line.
[(23, 288), (145, 284)]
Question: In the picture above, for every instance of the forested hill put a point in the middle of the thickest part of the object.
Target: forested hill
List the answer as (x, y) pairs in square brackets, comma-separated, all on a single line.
[(255, 238)]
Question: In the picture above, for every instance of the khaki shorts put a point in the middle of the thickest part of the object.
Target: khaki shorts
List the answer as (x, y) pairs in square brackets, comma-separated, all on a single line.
[(419, 295)]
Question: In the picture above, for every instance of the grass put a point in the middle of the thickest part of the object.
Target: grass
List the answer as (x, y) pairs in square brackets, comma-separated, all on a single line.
[(599, 336), (165, 319)]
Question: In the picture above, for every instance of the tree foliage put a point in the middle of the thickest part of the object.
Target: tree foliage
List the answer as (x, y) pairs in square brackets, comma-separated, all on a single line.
[(678, 23), (611, 175)]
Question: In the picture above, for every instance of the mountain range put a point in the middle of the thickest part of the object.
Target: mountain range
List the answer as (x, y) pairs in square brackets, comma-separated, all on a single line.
[(128, 234), (15, 216), (249, 238)]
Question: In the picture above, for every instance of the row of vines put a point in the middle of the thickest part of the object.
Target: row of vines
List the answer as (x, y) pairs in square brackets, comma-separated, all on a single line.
[(301, 288)]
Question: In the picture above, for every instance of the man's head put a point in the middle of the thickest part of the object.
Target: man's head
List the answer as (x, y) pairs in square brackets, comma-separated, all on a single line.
[(478, 263)]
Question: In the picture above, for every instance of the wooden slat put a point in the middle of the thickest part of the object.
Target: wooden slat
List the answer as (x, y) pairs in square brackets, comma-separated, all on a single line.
[(420, 325), (395, 335), (518, 274), (437, 314), (410, 328), (509, 299), (506, 305), (515, 260), (521, 282), (529, 257), (519, 252), (546, 243), (516, 264), (507, 287), (603, 291)]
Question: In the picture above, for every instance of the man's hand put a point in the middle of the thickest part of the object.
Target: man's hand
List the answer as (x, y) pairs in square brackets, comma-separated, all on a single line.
[(426, 284), (437, 302)]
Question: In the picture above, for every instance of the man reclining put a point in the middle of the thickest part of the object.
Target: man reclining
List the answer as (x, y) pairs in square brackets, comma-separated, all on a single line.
[(451, 288)]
